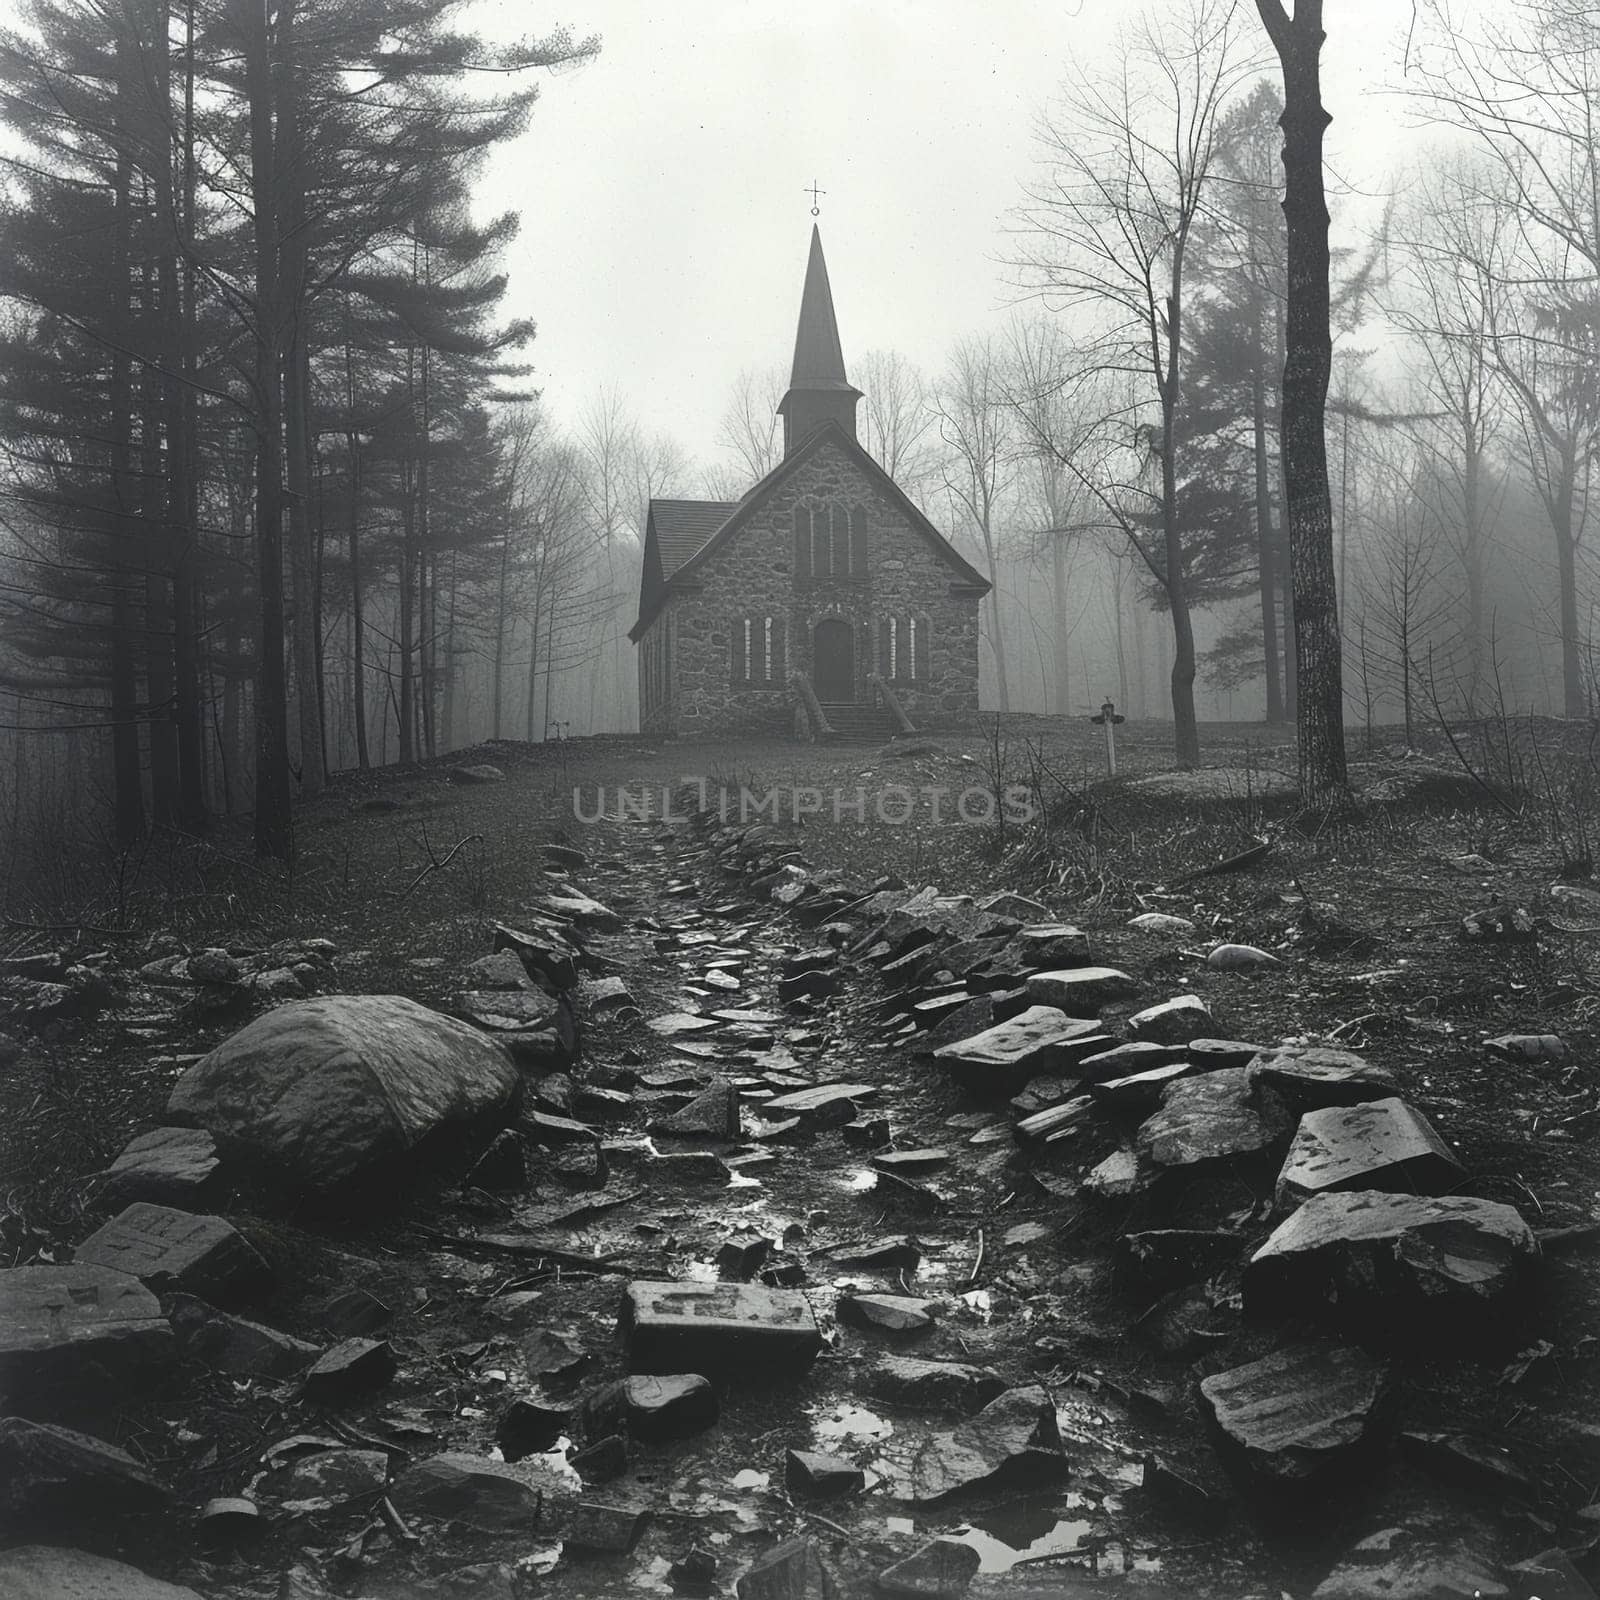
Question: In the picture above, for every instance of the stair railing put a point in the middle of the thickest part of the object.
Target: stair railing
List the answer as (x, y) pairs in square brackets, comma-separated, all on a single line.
[(902, 723), (821, 728)]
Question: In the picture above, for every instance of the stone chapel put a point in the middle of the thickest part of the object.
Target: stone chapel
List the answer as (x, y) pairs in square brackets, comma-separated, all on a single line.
[(823, 603)]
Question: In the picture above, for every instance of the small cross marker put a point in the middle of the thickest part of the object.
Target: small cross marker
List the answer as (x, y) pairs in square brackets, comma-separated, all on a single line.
[(815, 193)]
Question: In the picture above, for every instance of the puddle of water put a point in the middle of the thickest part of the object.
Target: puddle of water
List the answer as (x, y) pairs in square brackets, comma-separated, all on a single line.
[(899, 1525), (742, 1180), (858, 1181), (701, 1272), (750, 1480), (847, 1422), (1024, 1531)]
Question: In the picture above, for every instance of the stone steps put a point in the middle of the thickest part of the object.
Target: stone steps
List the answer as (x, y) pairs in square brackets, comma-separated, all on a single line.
[(858, 724)]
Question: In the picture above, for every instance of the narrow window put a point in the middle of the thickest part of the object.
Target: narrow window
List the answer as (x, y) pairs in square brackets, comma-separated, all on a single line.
[(911, 645), (822, 540), (858, 541), (766, 650), (748, 666), (802, 541), (894, 648), (741, 651), (780, 659), (919, 651)]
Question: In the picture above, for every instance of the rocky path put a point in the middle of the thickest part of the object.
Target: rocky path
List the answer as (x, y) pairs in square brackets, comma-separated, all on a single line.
[(801, 1239)]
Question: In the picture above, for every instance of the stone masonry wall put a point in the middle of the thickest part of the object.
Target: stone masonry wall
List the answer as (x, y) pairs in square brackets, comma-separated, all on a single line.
[(753, 576)]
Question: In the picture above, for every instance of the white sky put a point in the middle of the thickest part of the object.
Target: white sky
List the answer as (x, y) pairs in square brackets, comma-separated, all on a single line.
[(664, 226)]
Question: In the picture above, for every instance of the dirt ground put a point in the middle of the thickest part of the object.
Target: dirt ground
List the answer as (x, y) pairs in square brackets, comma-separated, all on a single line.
[(407, 872)]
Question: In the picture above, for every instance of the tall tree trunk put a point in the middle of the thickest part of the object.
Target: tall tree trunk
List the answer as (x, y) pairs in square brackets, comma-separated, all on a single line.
[(447, 714), (501, 607), (1472, 555), (156, 544), (533, 663), (358, 643), (290, 171), (997, 642), (1574, 701), (128, 785), (1307, 365), (406, 709), (1186, 730), (1266, 551), (177, 292), (1061, 686), (274, 826)]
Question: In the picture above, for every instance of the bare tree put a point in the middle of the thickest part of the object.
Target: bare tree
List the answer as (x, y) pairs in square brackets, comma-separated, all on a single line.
[(896, 420), (1526, 87), (1128, 161), (1308, 361), (1445, 302), (750, 431), (974, 417)]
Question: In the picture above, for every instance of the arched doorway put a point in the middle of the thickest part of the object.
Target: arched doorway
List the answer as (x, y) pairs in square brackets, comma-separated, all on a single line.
[(833, 662)]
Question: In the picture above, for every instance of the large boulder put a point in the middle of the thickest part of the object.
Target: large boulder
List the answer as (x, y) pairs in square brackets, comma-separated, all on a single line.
[(1397, 1268), (48, 1473), (1216, 1117), (321, 1092)]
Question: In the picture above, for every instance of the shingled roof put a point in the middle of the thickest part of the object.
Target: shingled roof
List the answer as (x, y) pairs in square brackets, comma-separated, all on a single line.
[(682, 526)]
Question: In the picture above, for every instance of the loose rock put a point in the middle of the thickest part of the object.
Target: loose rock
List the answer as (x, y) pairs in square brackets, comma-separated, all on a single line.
[(71, 1337), (1396, 1267), (171, 1166), (1303, 1416), (351, 1369), (1213, 1117), (715, 1327), (490, 1496), (170, 1250), (1308, 1078), (1240, 958), (1383, 1144), (1081, 990), (1415, 1563), (932, 1385), (821, 1477), (663, 1406), (48, 1473), (796, 1569), (941, 1569), (234, 1345), (1175, 1021), (1001, 1059), (889, 1313)]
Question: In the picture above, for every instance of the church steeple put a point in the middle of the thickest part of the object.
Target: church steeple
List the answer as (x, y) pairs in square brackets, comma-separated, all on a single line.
[(818, 389)]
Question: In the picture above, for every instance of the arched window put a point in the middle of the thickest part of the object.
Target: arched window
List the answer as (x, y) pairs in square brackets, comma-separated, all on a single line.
[(858, 541), (802, 541), (759, 657)]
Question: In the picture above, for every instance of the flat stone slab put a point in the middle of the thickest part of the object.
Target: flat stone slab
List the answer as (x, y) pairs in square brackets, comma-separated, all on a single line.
[(681, 1024), (1303, 1416), (48, 1472), (816, 1101), (1396, 1267), (1310, 1077), (171, 1250), (1423, 1563), (1124, 1059), (1056, 943), (941, 1569), (1015, 1435), (76, 1334), (715, 1327), (1174, 1021), (1077, 990), (167, 1165), (1139, 1090), (1215, 1116), (491, 1496), (888, 1313), (48, 1572), (582, 910), (932, 1385), (1381, 1144), (1001, 1059), (235, 1345)]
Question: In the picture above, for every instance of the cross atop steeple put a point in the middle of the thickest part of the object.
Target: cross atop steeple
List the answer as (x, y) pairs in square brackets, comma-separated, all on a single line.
[(819, 391)]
